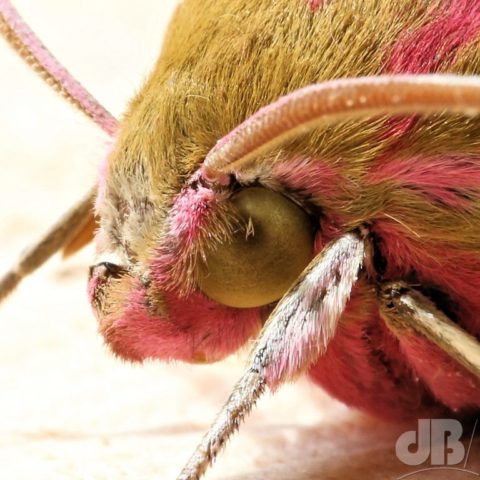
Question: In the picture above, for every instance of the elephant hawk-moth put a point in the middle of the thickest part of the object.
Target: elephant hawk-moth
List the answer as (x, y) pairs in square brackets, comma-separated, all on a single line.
[(303, 173)]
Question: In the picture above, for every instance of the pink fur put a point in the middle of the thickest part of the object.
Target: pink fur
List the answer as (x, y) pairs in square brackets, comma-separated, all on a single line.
[(433, 46), (368, 368), (310, 176), (365, 365), (446, 179), (190, 329), (316, 4), (451, 271), (449, 382), (192, 213), (364, 368), (188, 213)]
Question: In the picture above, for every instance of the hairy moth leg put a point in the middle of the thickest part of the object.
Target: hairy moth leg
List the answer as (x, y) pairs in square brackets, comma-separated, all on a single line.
[(405, 308), (59, 235), (296, 333)]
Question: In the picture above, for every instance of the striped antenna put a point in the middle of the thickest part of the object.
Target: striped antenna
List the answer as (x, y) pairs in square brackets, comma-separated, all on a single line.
[(21, 37)]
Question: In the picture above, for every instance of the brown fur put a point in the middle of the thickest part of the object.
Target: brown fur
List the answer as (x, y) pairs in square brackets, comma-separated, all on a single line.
[(223, 60)]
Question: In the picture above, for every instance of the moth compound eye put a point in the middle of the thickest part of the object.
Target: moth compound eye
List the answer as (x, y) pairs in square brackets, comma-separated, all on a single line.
[(264, 257)]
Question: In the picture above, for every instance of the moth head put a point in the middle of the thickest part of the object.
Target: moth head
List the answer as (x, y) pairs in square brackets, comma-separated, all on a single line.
[(186, 269), (191, 276)]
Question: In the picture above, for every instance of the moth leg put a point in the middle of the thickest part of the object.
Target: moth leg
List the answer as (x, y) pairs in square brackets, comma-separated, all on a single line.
[(296, 333), (82, 236), (60, 234), (405, 308)]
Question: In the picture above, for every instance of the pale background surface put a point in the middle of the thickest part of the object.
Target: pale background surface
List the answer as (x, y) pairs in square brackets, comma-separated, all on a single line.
[(69, 410)]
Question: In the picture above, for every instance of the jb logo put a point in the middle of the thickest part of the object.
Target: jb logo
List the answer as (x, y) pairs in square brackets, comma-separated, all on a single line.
[(436, 441)]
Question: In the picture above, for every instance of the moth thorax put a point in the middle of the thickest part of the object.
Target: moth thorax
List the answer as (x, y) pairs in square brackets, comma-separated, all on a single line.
[(266, 254)]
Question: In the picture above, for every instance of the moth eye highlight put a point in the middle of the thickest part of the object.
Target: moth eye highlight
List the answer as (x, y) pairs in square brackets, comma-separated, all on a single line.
[(264, 257)]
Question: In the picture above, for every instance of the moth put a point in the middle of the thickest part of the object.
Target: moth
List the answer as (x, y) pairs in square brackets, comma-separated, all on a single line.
[(305, 174)]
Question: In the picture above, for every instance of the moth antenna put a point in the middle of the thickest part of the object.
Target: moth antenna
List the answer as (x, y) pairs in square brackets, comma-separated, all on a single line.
[(20, 36), (405, 308), (54, 239), (332, 101), (296, 333)]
